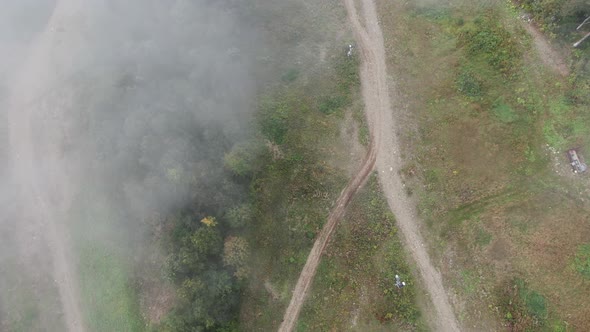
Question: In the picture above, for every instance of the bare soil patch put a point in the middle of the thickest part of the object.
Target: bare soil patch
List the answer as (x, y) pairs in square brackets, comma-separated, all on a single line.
[(548, 54)]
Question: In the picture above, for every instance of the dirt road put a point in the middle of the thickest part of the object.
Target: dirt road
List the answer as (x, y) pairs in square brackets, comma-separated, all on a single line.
[(382, 122), (383, 153), (548, 54), (37, 164)]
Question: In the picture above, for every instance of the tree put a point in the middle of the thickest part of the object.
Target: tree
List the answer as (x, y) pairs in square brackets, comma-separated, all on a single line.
[(241, 160), (575, 7), (191, 256), (240, 215), (209, 221)]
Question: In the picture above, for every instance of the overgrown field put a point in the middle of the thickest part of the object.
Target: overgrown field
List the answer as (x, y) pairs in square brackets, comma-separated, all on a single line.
[(109, 296), (506, 218), (311, 124), (355, 287)]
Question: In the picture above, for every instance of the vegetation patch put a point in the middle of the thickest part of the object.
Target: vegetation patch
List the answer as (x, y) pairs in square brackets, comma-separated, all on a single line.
[(582, 260), (469, 84), (554, 14), (487, 158), (292, 190), (523, 309), (486, 38), (355, 284), (290, 76), (504, 112), (108, 291)]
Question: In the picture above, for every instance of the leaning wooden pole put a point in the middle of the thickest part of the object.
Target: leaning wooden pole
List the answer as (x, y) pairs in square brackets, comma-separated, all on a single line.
[(585, 21), (576, 44)]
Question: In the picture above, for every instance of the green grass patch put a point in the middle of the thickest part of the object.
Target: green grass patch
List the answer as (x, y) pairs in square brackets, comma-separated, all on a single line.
[(582, 260), (433, 12), (523, 308), (553, 138), (273, 119), (504, 112), (535, 302), (469, 281), (332, 104), (364, 136), (108, 294), (482, 237)]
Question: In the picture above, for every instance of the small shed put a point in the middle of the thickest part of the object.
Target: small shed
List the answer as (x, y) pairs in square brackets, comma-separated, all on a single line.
[(577, 164)]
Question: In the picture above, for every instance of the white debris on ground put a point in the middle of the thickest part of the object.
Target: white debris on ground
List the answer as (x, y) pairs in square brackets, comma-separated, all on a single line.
[(398, 282), (553, 152), (562, 167)]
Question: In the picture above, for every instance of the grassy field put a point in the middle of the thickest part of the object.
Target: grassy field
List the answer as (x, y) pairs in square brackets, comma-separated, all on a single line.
[(293, 194), (27, 286), (355, 288), (25, 297), (109, 297), (314, 123), (485, 151)]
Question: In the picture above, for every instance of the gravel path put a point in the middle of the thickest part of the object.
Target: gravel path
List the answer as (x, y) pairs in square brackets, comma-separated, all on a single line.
[(389, 163), (37, 166)]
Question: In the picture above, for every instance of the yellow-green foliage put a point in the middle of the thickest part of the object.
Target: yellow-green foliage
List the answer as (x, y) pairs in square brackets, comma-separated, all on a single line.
[(209, 221)]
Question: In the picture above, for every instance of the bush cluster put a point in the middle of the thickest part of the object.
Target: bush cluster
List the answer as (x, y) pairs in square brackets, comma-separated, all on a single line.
[(488, 39)]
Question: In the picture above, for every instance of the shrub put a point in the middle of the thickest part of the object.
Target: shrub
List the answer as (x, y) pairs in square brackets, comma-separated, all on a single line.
[(488, 39), (522, 308), (273, 119), (208, 295), (242, 159), (240, 215), (469, 85), (331, 104), (290, 76)]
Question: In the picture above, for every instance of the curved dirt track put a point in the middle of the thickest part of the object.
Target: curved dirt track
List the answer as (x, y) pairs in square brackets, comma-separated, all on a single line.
[(383, 154), (311, 265), (37, 164)]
